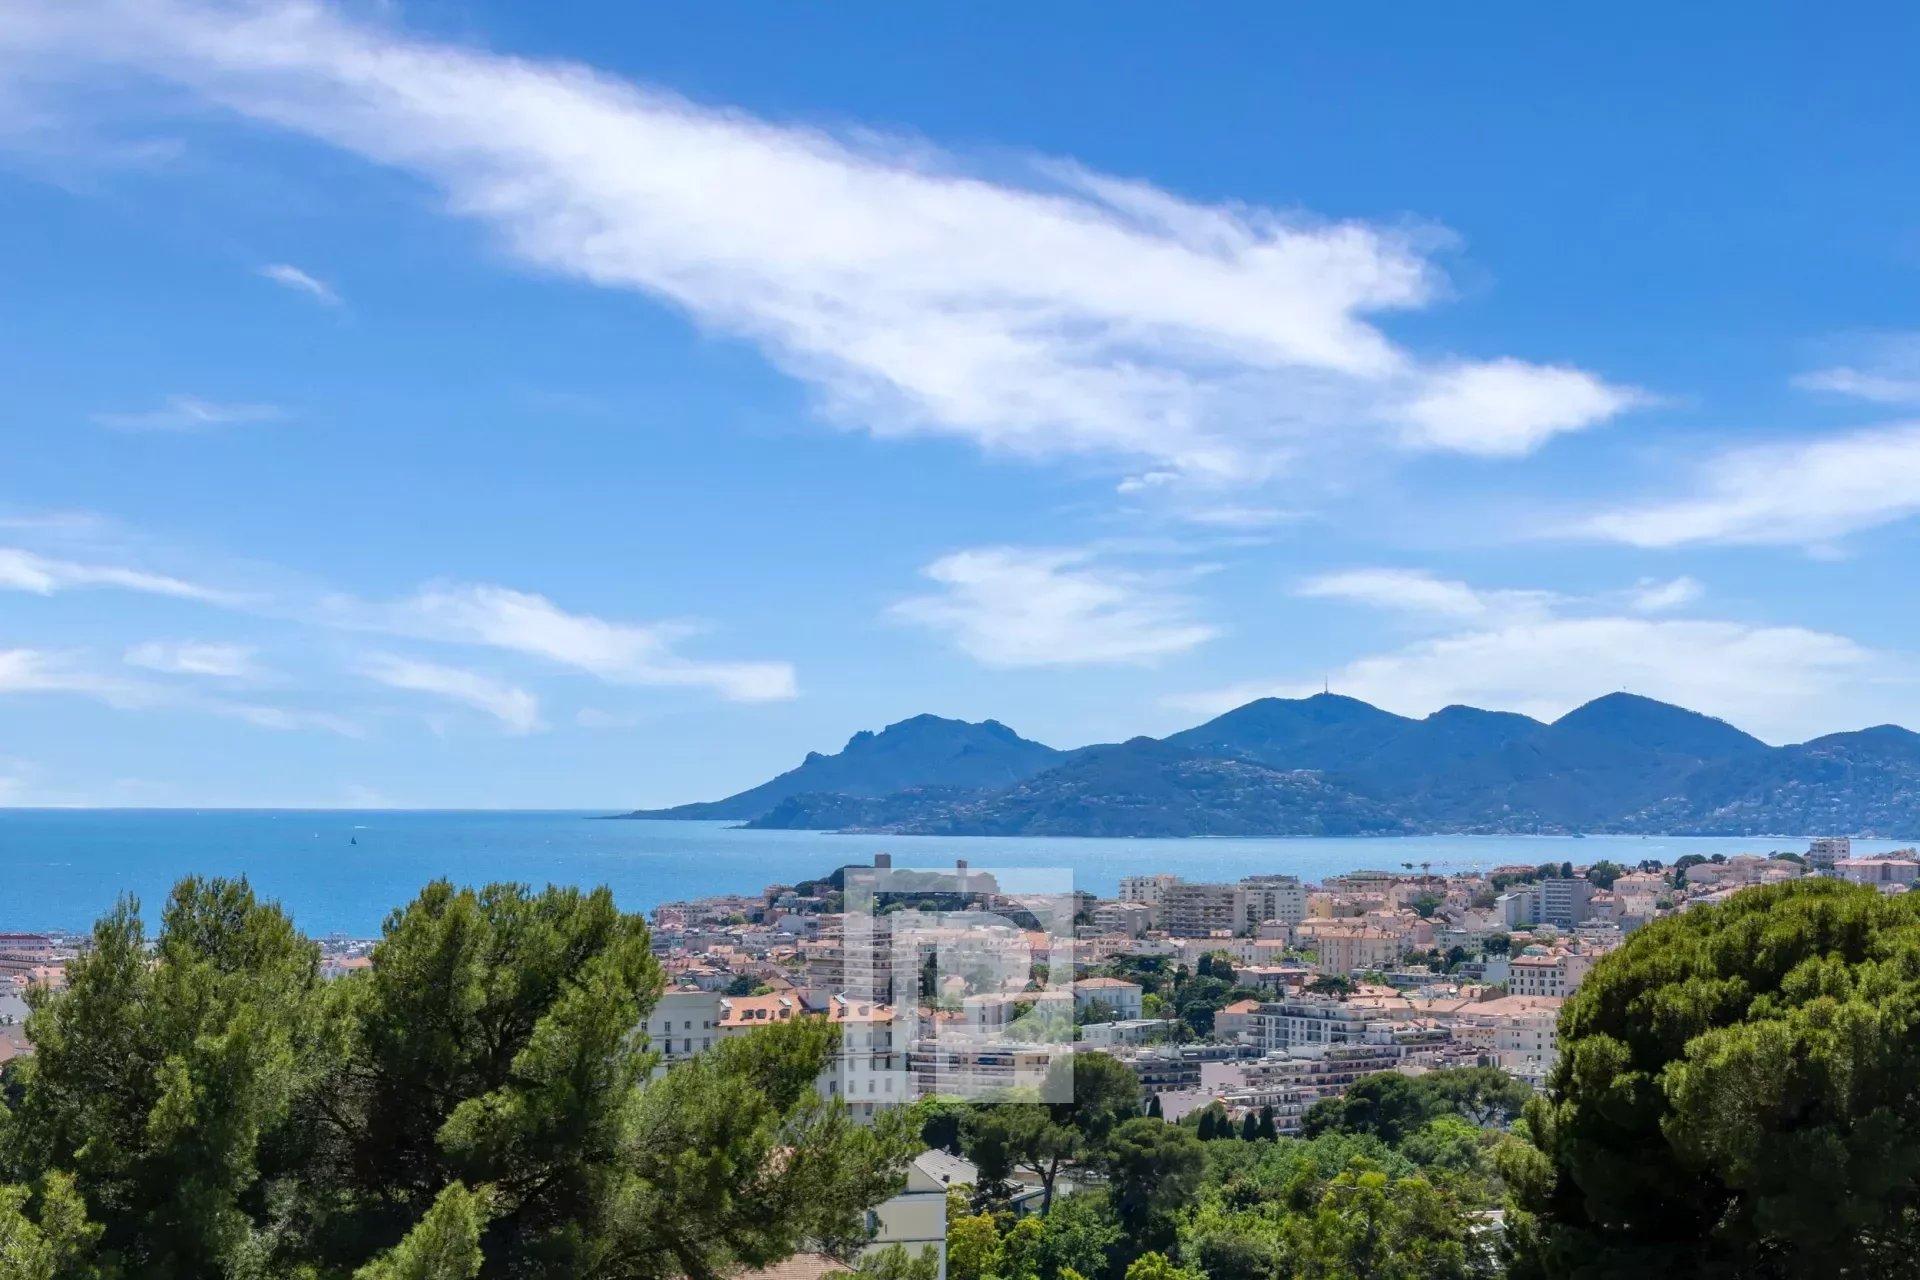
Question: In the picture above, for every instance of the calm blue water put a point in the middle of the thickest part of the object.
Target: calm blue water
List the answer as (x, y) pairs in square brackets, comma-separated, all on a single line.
[(59, 869)]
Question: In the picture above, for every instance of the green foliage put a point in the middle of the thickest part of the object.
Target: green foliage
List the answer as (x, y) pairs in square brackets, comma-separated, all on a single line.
[(1154, 1168), (895, 1263), (1392, 1107), (1199, 999), (55, 1243), (1734, 1094), (158, 1081), (973, 1248), (208, 1107), (1083, 1237), (444, 1246), (1603, 873), (1155, 1266)]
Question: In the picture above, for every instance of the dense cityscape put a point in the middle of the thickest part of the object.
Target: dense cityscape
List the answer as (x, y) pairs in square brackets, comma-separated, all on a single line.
[(1254, 1011)]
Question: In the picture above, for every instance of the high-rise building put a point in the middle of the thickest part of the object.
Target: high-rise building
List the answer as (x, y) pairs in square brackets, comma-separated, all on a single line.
[(1281, 898), (1824, 851), (1150, 892), (1197, 910)]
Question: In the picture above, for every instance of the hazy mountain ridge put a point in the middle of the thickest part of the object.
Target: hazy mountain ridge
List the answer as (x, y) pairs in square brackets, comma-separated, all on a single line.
[(1331, 765), (924, 751)]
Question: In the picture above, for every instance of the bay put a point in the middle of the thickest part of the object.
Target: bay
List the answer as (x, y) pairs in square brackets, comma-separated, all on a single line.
[(341, 871)]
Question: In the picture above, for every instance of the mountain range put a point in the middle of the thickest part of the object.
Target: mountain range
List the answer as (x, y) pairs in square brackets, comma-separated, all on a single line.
[(1332, 765)]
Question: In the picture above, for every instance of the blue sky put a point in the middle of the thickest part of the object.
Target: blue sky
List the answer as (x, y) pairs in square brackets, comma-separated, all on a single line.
[(598, 405)]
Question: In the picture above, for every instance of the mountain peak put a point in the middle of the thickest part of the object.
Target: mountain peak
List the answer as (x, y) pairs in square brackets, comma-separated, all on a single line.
[(920, 751), (1660, 725)]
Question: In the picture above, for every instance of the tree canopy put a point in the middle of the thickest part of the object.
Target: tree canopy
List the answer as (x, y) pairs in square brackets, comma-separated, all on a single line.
[(1734, 1094), (478, 1102)]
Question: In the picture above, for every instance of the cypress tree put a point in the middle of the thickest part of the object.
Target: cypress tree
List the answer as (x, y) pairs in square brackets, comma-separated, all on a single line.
[(1249, 1128), (1268, 1133), (1207, 1125), (1153, 1108)]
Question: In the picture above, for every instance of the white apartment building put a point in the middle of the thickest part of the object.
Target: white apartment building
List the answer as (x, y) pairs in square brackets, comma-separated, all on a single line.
[(1876, 871), (1284, 1025), (1538, 972), (1122, 997), (1521, 1033), (954, 1068), (916, 1218), (681, 1024), (1563, 904), (1196, 910), (1127, 919), (1824, 851), (870, 1071), (1281, 898), (1148, 891)]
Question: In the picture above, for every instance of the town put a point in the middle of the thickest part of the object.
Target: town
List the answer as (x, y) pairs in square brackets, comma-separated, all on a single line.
[(1258, 998)]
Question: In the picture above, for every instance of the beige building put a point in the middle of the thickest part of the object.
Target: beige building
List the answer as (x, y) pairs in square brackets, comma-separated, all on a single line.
[(1235, 1021), (1196, 910), (1343, 946), (1521, 1033), (1538, 972)]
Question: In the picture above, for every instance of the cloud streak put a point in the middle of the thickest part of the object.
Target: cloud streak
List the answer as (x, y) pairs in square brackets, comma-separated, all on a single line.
[(512, 706), (195, 658), (187, 414), (288, 276), (617, 652), (22, 570), (1055, 313), (1798, 493), (1028, 607)]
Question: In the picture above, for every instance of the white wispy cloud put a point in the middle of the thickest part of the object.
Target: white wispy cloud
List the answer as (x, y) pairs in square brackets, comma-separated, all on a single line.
[(1779, 682), (1651, 595), (1797, 493), (45, 671), (1059, 312), (1505, 408), (617, 652), (189, 413), (512, 706), (1419, 592), (1039, 607), (1883, 368), (195, 658), (1556, 652), (288, 276), (22, 570), (42, 671)]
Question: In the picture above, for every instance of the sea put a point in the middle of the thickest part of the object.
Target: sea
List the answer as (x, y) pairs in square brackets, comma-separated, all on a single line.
[(341, 871)]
